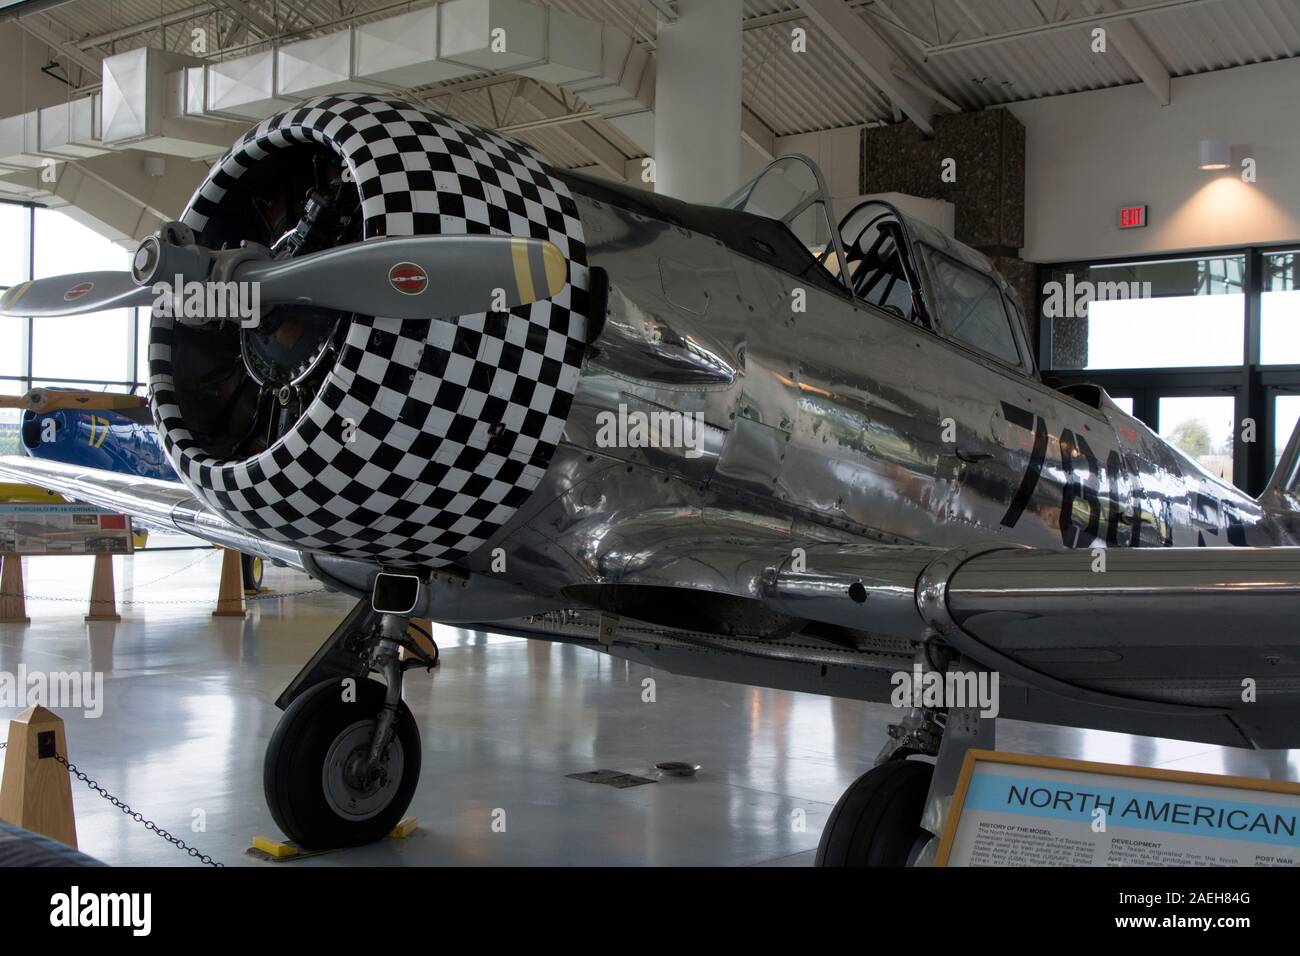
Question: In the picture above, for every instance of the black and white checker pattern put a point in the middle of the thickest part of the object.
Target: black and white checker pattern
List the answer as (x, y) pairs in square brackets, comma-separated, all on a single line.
[(453, 423)]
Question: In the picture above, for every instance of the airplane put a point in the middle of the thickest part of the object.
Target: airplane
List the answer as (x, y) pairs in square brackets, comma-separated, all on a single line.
[(106, 430), (747, 442)]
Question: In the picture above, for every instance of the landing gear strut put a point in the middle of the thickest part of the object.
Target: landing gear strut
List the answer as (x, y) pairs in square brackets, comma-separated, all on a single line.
[(344, 760), (893, 815)]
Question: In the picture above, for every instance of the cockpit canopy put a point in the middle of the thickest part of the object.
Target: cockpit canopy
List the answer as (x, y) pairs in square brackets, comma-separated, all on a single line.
[(893, 261), (791, 191)]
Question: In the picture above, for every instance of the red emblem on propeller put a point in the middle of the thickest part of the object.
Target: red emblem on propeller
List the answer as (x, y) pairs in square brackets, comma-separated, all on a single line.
[(77, 291), (408, 278)]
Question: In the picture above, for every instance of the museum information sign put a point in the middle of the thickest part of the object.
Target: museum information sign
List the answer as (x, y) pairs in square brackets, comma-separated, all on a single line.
[(63, 529), (1021, 810)]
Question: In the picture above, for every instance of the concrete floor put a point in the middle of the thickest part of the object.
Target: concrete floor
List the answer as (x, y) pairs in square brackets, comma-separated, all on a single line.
[(188, 711)]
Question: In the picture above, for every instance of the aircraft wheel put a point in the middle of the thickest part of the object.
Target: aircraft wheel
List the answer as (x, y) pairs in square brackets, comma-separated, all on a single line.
[(308, 789), (251, 566), (878, 820)]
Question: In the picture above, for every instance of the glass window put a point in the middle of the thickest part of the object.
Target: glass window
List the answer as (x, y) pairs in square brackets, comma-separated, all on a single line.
[(970, 307), (876, 267), (10, 419), (143, 318), (84, 386), (1170, 314), (1202, 427), (790, 191), (1125, 402), (13, 348), (1286, 412), (14, 226), (95, 346), (1279, 310), (14, 266)]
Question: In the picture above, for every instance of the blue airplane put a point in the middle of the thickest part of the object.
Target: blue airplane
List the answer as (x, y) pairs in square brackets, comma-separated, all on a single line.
[(105, 430)]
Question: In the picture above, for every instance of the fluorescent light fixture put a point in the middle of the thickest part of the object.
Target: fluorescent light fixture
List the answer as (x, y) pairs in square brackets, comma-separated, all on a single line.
[(1214, 154)]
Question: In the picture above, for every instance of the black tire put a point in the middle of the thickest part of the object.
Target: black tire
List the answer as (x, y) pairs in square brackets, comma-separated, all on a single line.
[(294, 772), (251, 566), (878, 820)]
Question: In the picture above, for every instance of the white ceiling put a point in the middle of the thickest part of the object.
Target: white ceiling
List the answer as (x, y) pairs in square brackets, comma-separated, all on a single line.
[(974, 53)]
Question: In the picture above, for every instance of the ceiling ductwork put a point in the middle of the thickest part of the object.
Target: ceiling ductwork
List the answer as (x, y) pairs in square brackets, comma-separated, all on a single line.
[(143, 106), (177, 105)]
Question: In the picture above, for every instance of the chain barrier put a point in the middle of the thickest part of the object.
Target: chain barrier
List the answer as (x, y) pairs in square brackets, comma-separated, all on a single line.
[(126, 808), (169, 574), (136, 587), (247, 598), (135, 815)]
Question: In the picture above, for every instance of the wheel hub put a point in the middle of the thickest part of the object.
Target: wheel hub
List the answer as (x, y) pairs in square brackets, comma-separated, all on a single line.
[(351, 791)]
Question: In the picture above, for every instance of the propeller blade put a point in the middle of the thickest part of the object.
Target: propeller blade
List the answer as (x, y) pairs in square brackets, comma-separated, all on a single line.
[(56, 399), (415, 277), (74, 294), (408, 277)]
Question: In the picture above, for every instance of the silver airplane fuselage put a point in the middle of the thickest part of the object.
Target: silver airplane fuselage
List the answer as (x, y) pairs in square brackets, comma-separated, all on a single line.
[(844, 426), (841, 422)]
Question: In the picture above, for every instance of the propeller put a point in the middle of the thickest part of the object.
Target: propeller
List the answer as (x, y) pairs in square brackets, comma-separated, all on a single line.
[(407, 277), (416, 277), (75, 295), (56, 399)]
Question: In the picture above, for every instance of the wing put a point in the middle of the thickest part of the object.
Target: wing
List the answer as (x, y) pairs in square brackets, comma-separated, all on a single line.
[(165, 503), (1195, 643)]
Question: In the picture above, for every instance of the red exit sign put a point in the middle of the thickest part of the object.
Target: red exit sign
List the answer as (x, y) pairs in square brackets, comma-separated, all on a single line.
[(1132, 217)]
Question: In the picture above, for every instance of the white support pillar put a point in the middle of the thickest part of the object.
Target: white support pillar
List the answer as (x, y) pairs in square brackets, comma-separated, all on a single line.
[(698, 101)]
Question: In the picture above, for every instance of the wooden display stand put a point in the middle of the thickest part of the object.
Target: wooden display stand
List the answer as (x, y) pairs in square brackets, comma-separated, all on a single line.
[(103, 602), (36, 791), (13, 602), (230, 598)]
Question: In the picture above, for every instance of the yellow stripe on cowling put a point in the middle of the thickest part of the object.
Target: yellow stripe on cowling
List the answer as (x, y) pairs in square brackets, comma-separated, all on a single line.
[(11, 297), (556, 267), (523, 274)]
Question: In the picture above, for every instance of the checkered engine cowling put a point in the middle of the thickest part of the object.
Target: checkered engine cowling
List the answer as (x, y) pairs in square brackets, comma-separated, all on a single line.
[(451, 423)]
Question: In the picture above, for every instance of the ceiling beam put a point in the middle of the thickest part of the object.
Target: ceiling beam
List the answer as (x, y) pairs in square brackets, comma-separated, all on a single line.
[(1092, 19), (540, 104), (25, 8), (242, 8), (909, 71), (869, 52), (1135, 49), (970, 15), (549, 122), (757, 133), (665, 10), (148, 26), (40, 27)]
